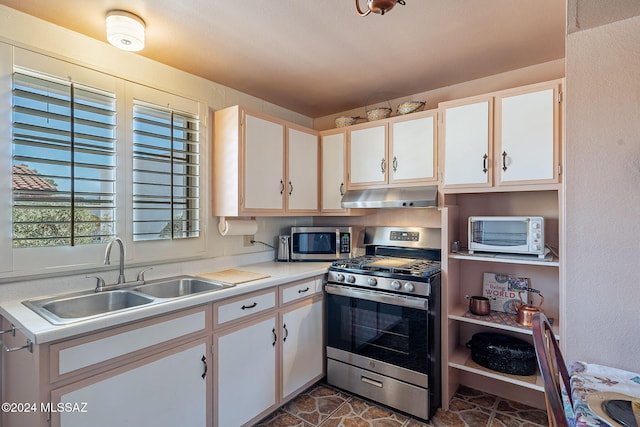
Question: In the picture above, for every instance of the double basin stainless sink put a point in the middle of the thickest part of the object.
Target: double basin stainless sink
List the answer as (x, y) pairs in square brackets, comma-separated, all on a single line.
[(63, 309)]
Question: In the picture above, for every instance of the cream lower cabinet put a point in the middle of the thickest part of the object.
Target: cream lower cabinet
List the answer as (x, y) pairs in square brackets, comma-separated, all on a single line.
[(152, 372), (245, 372), (166, 390), (302, 346), (266, 352)]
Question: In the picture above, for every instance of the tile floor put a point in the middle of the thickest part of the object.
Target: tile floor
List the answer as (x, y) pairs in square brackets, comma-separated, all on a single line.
[(325, 406)]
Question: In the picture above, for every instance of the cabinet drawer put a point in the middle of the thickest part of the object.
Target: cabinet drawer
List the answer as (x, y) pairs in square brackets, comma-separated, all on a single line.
[(300, 290), (83, 353), (244, 306)]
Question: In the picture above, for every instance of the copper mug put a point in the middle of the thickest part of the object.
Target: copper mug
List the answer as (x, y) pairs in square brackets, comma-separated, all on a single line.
[(479, 305), (526, 311)]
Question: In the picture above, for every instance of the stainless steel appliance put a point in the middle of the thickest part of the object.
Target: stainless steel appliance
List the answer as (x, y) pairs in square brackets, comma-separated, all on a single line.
[(383, 320), (320, 243), (522, 235), (284, 249)]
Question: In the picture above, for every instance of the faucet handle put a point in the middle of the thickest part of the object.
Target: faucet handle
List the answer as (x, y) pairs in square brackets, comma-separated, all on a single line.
[(99, 283), (141, 274)]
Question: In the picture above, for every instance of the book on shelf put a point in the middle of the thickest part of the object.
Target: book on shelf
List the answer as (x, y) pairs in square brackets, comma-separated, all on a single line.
[(505, 291)]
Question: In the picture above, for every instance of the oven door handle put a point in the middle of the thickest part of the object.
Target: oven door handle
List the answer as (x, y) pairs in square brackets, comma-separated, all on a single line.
[(377, 296)]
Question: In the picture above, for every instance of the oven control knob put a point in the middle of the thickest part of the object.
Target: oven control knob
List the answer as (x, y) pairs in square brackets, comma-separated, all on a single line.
[(340, 277), (351, 278), (396, 285), (372, 281), (409, 287)]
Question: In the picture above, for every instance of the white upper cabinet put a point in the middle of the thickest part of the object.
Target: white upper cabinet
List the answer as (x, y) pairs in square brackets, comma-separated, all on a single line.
[(511, 137), (413, 148), (398, 151), (527, 135), (263, 165), (333, 170), (302, 182), (467, 143), (368, 155)]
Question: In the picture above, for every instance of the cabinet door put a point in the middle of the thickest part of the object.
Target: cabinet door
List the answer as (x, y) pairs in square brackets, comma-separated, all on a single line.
[(165, 390), (333, 166), (264, 164), (527, 136), (302, 347), (467, 144), (302, 185), (245, 373), (367, 156), (413, 149)]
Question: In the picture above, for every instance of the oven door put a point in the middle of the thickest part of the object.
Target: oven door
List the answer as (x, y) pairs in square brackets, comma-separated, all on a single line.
[(378, 325)]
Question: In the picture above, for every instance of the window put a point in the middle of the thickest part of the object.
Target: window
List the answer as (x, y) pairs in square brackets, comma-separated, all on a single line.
[(63, 164), (165, 173)]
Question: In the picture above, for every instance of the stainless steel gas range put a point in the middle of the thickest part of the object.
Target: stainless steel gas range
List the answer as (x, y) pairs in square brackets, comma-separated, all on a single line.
[(383, 320)]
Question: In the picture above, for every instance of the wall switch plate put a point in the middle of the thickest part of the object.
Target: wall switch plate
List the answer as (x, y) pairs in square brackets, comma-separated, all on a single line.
[(248, 240)]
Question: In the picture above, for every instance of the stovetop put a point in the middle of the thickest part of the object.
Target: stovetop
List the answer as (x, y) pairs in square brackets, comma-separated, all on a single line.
[(388, 266)]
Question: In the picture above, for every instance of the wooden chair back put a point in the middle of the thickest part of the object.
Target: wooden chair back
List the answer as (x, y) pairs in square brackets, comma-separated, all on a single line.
[(552, 368)]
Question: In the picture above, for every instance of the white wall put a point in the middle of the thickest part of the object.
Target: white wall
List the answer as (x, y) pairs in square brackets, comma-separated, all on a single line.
[(602, 283), (27, 32)]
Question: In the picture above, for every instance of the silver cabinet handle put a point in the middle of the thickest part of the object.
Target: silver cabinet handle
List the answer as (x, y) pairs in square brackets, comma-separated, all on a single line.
[(383, 165), (504, 161), (484, 163), (28, 346), (275, 337), (395, 163), (290, 188), (281, 187), (370, 381), (286, 332), (342, 188)]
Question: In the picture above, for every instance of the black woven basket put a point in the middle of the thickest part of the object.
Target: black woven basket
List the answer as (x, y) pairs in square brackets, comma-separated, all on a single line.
[(503, 353)]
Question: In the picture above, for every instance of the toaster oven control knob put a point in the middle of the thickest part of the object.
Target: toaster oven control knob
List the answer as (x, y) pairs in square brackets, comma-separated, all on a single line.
[(351, 278), (409, 287), (372, 281), (396, 285)]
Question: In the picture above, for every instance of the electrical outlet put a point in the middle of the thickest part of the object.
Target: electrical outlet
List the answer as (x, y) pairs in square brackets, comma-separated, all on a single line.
[(248, 240)]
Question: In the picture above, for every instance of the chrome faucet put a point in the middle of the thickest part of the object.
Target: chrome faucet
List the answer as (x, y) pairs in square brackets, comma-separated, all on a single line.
[(121, 278)]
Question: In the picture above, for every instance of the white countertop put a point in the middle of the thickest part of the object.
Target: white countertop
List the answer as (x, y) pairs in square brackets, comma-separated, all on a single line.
[(40, 331)]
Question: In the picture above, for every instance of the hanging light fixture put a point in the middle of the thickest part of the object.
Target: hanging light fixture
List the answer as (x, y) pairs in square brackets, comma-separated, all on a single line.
[(125, 30), (378, 6)]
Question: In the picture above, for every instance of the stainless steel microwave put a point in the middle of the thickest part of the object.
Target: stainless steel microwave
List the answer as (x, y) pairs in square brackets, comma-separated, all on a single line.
[(507, 234), (320, 243)]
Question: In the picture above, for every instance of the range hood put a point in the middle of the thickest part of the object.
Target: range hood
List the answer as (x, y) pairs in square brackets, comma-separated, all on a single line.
[(415, 197)]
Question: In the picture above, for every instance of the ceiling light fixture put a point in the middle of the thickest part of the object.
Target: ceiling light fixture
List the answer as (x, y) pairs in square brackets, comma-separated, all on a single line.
[(125, 30), (378, 6)]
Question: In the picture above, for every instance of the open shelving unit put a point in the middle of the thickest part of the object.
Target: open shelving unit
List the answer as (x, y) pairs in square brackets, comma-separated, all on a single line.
[(464, 277)]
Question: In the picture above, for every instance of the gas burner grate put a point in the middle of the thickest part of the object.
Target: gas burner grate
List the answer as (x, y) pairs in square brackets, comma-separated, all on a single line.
[(393, 265)]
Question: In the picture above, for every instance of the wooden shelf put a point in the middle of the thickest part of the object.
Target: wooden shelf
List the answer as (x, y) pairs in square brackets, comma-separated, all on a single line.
[(461, 359), (496, 320), (505, 259)]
